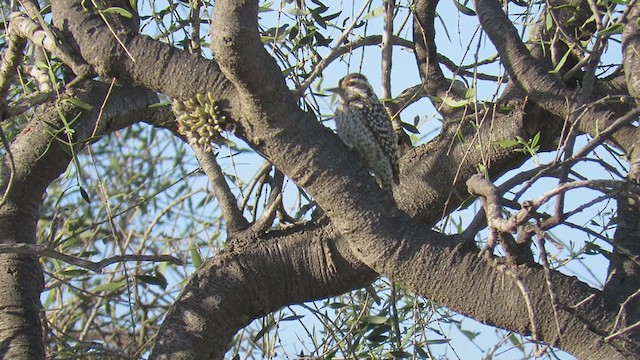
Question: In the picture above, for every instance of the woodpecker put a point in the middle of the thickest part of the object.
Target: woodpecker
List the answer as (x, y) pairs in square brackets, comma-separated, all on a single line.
[(364, 125)]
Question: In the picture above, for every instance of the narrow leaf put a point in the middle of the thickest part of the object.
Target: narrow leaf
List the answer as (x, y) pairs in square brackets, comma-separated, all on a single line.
[(117, 10), (379, 11), (463, 9), (109, 286), (85, 195)]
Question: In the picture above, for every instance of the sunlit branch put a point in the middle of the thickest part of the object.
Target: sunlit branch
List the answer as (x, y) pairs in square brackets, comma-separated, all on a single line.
[(230, 211)]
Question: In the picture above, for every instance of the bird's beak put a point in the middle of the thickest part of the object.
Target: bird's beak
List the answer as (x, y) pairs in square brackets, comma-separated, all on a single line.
[(336, 90)]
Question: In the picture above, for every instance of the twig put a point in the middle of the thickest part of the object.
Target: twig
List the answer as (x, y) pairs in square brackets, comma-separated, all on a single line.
[(604, 135), (547, 277), (12, 166), (387, 48), (624, 330), (479, 186), (32, 9), (322, 64), (629, 299), (194, 19), (527, 300), (263, 171), (26, 102), (43, 251), (273, 204)]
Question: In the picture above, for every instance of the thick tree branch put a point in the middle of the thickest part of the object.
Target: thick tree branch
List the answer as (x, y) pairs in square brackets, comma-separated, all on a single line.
[(228, 204), (424, 33), (623, 281), (172, 68), (377, 232), (523, 69), (41, 152), (631, 62), (200, 315), (227, 293), (631, 51)]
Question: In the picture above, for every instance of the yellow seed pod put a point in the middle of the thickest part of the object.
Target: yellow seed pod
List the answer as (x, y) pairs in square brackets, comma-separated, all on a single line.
[(200, 120)]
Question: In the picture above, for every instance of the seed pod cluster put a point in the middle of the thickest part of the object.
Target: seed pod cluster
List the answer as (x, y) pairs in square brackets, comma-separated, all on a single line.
[(199, 120)]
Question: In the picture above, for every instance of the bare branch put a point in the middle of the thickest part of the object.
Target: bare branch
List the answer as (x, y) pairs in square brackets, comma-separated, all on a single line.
[(273, 204), (616, 125), (228, 204), (425, 47), (43, 251), (322, 64), (12, 58), (43, 37), (387, 48)]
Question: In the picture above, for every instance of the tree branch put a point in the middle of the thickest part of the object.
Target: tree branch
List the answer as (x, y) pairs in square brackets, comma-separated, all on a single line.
[(376, 232), (43, 251), (228, 203), (523, 69), (425, 50)]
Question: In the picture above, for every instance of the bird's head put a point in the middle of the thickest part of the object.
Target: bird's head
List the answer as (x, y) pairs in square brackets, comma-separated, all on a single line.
[(353, 86)]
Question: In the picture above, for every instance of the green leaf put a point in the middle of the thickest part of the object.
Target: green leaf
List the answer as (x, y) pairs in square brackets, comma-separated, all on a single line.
[(72, 272), (463, 9), (157, 280), (548, 21), (266, 7), (117, 10), (85, 195), (292, 318), (437, 341), (483, 170), (196, 259), (469, 334), (378, 339), (612, 30), (454, 103), (470, 93), (399, 354), (410, 128), (562, 61), (379, 11), (110, 286), (336, 305), (375, 320), (535, 140), (296, 12), (421, 353), (515, 341), (160, 104), (507, 143), (264, 330), (79, 103)]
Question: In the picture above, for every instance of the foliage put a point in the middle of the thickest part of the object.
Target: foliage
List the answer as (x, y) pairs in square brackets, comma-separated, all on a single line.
[(141, 191)]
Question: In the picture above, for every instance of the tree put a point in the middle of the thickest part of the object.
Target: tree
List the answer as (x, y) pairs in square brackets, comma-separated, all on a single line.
[(79, 77)]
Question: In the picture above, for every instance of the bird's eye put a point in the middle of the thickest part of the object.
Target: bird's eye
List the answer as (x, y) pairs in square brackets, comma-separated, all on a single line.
[(351, 83)]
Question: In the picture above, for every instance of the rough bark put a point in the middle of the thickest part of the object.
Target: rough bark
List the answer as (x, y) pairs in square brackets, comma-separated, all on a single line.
[(362, 234), (38, 158)]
